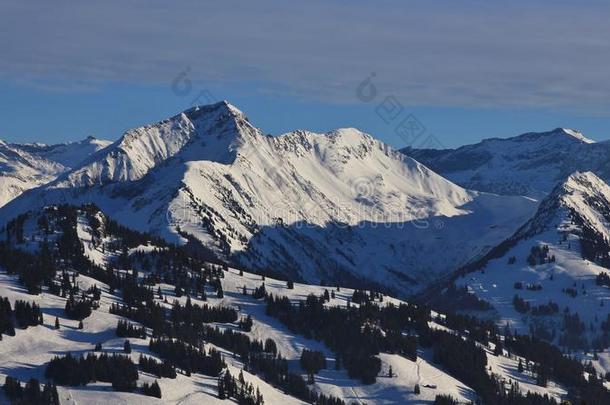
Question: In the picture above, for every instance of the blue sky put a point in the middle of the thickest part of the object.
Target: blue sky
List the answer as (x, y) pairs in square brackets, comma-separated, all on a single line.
[(463, 71)]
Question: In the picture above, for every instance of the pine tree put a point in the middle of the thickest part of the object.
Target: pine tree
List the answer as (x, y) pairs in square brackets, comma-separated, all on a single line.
[(152, 390), (31, 392), (12, 388), (50, 395), (80, 324), (312, 362), (416, 389), (56, 323), (270, 346), (246, 324), (127, 347), (390, 372), (498, 350), (155, 389), (542, 377), (221, 388), (259, 397), (520, 367)]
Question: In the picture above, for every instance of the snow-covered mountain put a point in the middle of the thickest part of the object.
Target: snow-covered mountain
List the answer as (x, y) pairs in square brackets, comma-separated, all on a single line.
[(555, 258), (339, 207), (69, 154), (583, 200), (25, 166), (20, 171), (530, 164), (114, 263)]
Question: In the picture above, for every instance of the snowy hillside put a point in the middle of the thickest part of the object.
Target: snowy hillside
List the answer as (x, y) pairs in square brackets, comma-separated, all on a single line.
[(70, 241), (339, 206), (20, 171), (69, 154), (529, 164), (548, 278), (25, 166)]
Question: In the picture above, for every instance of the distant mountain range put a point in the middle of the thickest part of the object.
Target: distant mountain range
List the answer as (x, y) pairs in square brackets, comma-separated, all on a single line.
[(335, 207), (340, 207), (530, 164), (25, 166), (186, 226)]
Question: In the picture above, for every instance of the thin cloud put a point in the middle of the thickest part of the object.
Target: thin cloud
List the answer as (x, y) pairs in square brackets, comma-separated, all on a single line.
[(444, 54)]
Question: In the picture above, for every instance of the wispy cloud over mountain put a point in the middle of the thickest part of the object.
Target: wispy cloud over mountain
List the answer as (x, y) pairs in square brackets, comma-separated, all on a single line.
[(474, 54)]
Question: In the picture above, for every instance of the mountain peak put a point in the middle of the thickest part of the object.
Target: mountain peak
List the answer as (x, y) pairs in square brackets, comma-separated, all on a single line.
[(585, 183), (583, 176), (573, 133), (348, 133), (563, 134), (222, 108), (222, 119), (205, 132), (528, 164), (586, 196), (581, 199)]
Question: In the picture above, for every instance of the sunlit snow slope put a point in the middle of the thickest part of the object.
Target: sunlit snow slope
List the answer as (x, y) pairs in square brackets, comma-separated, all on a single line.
[(340, 206), (529, 164), (25, 166), (554, 258)]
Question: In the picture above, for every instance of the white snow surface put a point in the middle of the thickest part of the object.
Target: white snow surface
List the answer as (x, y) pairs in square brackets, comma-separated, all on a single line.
[(24, 356), (338, 206), (26, 166), (69, 154), (530, 164), (584, 195)]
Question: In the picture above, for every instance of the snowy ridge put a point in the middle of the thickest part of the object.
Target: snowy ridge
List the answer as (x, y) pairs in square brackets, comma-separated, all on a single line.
[(578, 135), (66, 154), (208, 130), (26, 166), (530, 164), (339, 206), (555, 257), (20, 171), (582, 196)]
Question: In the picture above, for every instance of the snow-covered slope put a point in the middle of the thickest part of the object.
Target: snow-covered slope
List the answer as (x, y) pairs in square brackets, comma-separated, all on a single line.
[(554, 258), (25, 166), (339, 206), (69, 154), (20, 171), (26, 354), (202, 133), (529, 164)]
